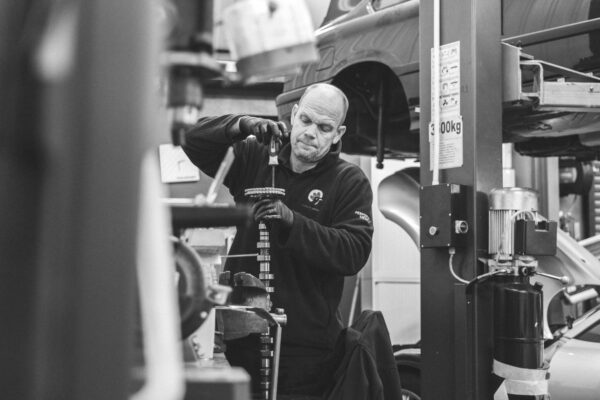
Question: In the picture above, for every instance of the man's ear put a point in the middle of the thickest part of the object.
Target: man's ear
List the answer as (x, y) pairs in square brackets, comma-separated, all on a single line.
[(340, 132), (294, 111)]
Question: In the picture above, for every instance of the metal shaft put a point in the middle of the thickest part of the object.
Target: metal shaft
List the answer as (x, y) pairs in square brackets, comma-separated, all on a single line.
[(273, 176), (264, 260), (276, 355), (266, 277), (268, 373)]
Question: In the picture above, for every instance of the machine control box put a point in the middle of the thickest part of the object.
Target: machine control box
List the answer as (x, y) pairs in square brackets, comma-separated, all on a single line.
[(535, 238), (444, 215)]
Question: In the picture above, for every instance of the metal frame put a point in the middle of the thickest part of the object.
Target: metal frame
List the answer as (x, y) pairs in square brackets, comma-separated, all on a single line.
[(456, 327), (556, 33), (569, 90), (580, 96)]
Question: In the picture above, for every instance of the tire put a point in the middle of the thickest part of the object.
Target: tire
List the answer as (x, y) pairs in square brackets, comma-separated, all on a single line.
[(191, 288), (410, 379), (408, 395)]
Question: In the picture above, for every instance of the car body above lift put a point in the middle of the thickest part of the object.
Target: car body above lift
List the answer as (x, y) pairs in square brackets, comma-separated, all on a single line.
[(372, 54)]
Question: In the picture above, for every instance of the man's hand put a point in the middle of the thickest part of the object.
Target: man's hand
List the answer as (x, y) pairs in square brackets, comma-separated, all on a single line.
[(263, 129), (273, 210)]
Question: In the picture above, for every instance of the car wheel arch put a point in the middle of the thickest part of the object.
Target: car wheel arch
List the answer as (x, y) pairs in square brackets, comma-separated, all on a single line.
[(409, 370), (361, 82)]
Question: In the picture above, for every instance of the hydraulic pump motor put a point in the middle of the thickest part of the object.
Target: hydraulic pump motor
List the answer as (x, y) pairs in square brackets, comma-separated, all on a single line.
[(506, 205), (516, 235)]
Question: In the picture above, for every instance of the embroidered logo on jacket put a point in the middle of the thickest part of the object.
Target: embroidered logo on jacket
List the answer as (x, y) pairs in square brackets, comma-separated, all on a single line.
[(363, 216), (315, 197)]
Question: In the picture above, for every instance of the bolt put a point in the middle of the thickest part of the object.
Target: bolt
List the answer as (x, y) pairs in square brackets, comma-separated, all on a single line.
[(433, 230)]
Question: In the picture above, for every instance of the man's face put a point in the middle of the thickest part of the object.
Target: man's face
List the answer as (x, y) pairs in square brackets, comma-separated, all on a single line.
[(315, 127)]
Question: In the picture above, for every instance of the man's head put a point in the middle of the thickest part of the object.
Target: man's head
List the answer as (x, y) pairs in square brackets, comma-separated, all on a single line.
[(317, 124)]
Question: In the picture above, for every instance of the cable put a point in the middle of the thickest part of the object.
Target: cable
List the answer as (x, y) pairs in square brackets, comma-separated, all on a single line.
[(479, 278), (504, 271), (531, 214), (452, 251)]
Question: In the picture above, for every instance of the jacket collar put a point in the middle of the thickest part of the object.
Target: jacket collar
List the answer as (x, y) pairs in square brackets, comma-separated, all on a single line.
[(330, 157)]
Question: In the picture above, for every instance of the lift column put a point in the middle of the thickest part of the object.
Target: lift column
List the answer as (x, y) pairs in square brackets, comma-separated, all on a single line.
[(456, 326)]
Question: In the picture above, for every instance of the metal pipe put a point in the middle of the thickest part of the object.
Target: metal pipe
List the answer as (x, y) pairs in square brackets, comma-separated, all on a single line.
[(565, 280), (273, 176), (435, 106), (239, 255), (275, 369), (556, 33), (380, 137)]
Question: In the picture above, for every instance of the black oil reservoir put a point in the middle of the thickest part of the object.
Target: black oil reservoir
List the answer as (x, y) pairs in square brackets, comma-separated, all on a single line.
[(518, 322)]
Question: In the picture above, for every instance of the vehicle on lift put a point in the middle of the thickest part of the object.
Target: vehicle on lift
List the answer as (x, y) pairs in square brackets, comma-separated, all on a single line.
[(372, 53)]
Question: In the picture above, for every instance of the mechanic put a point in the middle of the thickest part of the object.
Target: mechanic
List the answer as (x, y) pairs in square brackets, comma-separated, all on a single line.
[(320, 232)]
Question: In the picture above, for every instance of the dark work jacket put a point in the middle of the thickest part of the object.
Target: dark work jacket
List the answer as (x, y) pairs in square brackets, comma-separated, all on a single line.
[(367, 369), (329, 239)]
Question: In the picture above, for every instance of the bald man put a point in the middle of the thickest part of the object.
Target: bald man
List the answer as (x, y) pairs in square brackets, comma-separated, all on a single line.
[(320, 232)]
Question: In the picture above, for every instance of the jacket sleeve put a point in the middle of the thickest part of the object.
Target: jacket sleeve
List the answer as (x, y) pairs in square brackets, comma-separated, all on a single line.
[(207, 142), (343, 247)]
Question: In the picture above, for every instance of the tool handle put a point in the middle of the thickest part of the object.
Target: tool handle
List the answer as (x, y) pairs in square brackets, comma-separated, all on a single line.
[(274, 146), (220, 175)]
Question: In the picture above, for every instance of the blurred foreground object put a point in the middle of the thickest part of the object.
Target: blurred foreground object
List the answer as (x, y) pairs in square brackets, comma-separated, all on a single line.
[(269, 38)]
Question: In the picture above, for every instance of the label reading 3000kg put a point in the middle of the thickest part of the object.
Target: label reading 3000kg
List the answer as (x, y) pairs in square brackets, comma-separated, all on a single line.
[(451, 142), (451, 126)]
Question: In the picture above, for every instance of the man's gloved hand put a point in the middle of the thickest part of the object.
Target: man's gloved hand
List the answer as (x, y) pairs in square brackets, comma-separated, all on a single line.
[(262, 128), (273, 210)]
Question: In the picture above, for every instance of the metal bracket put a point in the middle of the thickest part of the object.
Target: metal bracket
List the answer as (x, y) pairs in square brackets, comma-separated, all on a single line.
[(566, 90)]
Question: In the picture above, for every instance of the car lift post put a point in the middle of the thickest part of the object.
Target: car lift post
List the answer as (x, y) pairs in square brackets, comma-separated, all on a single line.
[(456, 328)]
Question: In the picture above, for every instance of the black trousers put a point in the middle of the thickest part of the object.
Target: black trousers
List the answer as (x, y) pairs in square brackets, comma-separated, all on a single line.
[(304, 374)]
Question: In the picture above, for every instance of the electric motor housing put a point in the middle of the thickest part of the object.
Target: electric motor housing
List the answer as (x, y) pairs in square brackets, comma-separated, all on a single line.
[(506, 205)]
